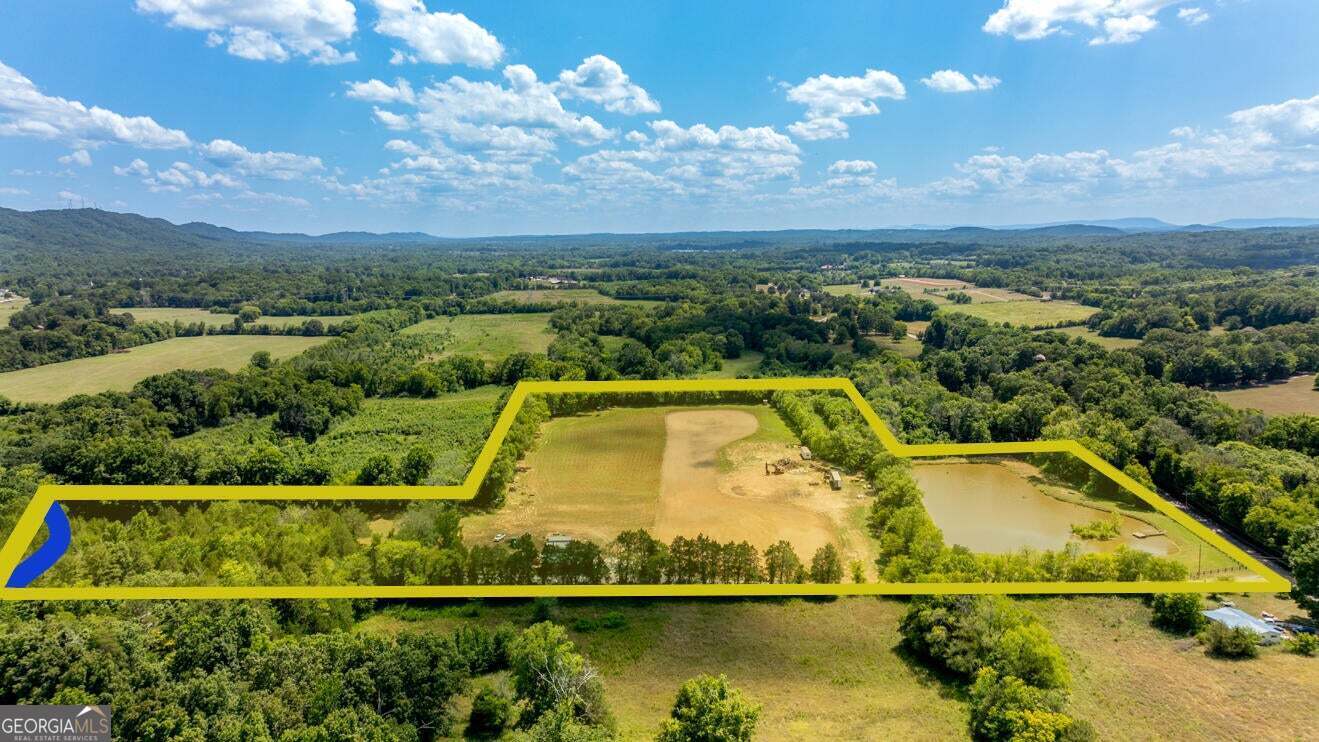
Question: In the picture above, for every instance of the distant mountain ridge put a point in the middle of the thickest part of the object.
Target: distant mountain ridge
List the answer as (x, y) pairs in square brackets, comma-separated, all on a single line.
[(95, 229), (333, 238)]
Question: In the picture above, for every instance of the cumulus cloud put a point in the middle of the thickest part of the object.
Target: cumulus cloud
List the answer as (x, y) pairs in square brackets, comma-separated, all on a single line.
[(80, 157), (602, 81), (437, 38), (828, 99), (136, 167), (390, 120), (26, 111), (1113, 21), (381, 92), (523, 116), (952, 81), (852, 167), (692, 160), (1193, 16), (276, 165), (1292, 123), (182, 175), (820, 128), (1266, 142), (266, 30)]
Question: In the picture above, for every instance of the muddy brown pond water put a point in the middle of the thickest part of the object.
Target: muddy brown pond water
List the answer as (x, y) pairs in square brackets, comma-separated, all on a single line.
[(990, 508)]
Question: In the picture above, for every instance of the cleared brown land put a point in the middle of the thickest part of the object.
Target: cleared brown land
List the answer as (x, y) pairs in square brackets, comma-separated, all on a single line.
[(678, 472), (1291, 397)]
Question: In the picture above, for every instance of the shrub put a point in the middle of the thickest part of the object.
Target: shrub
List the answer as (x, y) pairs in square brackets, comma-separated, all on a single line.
[(1306, 645), (613, 620), (1004, 707), (1177, 612), (708, 709), (1233, 644), (491, 712)]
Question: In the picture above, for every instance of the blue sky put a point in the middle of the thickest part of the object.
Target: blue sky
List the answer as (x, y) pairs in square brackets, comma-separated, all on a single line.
[(502, 118)]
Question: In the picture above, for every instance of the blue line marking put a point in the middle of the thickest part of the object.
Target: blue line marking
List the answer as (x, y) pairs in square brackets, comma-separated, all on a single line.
[(57, 524)]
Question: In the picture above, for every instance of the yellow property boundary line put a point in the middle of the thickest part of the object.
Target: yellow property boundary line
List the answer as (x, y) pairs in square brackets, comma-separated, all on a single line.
[(31, 519)]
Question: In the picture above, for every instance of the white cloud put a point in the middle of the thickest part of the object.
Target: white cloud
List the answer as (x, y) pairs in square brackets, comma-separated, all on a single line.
[(1124, 30), (602, 81), (952, 81), (70, 196), (391, 120), (1193, 16), (853, 167), (277, 165), (829, 99), (822, 128), (376, 91), (1116, 21), (1272, 142), (278, 199), (26, 111), (522, 117), (182, 175), (438, 38), (7, 191), (80, 157), (688, 161), (1293, 123), (266, 30)]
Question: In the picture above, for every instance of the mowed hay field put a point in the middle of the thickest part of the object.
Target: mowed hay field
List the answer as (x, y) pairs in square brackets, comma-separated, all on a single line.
[(590, 475), (1094, 337), (677, 471), (586, 296), (489, 336), (9, 308), (205, 316), (1291, 397), (120, 371), (1031, 313)]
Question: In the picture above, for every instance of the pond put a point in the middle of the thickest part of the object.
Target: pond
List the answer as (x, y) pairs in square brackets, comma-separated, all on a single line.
[(990, 508)]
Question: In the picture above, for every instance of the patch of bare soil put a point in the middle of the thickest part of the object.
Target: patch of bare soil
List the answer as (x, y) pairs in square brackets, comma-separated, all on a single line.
[(746, 503)]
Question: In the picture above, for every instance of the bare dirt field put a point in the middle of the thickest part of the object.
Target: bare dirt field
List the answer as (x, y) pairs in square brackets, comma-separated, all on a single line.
[(679, 472)]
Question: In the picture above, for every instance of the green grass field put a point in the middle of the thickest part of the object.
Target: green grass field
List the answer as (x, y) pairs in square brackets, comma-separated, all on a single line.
[(9, 308), (834, 669), (748, 364), (526, 296), (120, 371), (606, 465), (845, 289), (1094, 337), (189, 316), (490, 336), (1029, 314), (1291, 397)]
